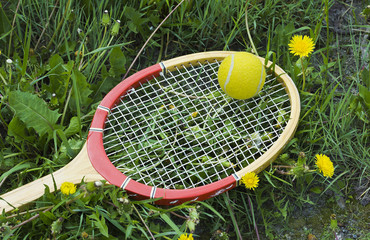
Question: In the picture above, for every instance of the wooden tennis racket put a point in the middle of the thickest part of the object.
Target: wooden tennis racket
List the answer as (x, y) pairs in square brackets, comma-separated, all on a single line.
[(169, 132)]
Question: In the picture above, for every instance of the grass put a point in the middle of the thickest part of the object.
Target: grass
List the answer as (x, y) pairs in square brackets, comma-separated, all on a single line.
[(65, 59)]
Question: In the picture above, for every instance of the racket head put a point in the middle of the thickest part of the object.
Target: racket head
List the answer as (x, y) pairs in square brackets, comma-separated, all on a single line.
[(124, 96)]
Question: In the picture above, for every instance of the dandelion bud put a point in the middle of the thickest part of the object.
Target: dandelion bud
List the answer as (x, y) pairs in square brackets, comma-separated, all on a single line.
[(191, 225), (115, 28), (80, 32), (98, 184), (56, 226), (105, 20), (193, 214), (90, 186)]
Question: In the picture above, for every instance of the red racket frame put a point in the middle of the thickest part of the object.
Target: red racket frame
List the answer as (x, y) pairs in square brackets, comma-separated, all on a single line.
[(137, 190)]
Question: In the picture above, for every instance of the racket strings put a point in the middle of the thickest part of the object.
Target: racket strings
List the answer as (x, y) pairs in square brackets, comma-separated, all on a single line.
[(179, 130)]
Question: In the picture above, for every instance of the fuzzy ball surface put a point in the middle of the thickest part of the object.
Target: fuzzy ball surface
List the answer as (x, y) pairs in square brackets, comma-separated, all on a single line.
[(241, 75)]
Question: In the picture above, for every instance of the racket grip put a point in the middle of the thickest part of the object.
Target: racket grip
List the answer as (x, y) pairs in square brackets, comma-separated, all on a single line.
[(27, 193), (78, 169)]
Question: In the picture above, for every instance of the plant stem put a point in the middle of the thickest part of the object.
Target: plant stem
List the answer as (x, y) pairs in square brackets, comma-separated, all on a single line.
[(30, 219), (59, 25), (13, 23), (101, 44), (47, 24), (150, 37), (303, 74), (142, 220), (231, 212), (255, 224), (247, 27)]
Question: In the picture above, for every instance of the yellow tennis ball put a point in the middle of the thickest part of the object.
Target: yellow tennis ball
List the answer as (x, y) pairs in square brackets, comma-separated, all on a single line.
[(241, 75)]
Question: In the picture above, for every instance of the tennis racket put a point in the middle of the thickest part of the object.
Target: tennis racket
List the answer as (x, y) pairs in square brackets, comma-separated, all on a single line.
[(168, 132)]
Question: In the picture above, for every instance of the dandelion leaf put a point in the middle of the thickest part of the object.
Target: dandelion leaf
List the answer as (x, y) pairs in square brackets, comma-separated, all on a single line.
[(18, 130), (73, 128), (34, 112), (81, 91), (117, 61), (58, 77)]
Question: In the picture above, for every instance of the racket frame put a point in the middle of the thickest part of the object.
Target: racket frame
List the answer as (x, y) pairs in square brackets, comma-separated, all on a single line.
[(139, 191)]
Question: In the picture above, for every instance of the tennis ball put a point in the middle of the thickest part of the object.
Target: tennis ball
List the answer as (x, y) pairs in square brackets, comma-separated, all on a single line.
[(241, 75)]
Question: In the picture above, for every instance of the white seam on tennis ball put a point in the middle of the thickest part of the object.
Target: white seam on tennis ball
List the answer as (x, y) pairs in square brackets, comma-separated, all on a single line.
[(261, 79), (230, 71)]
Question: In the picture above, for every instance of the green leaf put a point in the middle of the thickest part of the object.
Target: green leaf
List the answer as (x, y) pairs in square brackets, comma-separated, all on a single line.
[(18, 130), (328, 98), (117, 61), (168, 220), (5, 26), (365, 95), (137, 22), (47, 218), (73, 128), (64, 140), (114, 222), (107, 48), (82, 91), (58, 78), (316, 190), (15, 169), (34, 112), (213, 210), (365, 75), (26, 50), (100, 223)]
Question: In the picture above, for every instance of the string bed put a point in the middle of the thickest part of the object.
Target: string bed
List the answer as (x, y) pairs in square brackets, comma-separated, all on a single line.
[(179, 130)]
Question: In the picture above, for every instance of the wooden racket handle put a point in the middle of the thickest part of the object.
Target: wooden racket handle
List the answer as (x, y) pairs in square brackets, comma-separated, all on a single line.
[(73, 172)]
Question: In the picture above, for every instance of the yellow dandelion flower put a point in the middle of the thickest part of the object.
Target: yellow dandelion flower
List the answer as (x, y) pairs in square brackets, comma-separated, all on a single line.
[(301, 46), (185, 236), (325, 165), (172, 106), (68, 188), (84, 235), (250, 180), (194, 114)]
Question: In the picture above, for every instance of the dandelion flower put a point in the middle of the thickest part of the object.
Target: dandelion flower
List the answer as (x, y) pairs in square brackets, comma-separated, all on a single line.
[(186, 237), (324, 165), (301, 46), (194, 114), (250, 180), (68, 188)]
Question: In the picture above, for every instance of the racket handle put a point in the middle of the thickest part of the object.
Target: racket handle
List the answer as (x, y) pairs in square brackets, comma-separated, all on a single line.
[(73, 172)]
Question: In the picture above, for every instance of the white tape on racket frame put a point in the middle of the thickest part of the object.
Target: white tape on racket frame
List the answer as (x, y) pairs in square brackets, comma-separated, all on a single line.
[(152, 193), (125, 183), (104, 108)]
